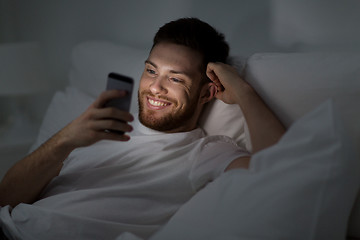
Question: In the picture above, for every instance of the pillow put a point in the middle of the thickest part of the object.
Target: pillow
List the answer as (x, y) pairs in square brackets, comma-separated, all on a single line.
[(292, 190), (292, 84)]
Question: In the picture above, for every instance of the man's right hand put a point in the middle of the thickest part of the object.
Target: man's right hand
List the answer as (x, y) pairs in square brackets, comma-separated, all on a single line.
[(96, 123)]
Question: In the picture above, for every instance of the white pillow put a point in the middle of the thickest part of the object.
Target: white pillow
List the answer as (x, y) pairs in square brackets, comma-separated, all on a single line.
[(292, 84), (301, 188)]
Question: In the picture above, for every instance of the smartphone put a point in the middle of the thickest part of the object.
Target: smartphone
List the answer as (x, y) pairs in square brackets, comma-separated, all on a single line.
[(121, 82)]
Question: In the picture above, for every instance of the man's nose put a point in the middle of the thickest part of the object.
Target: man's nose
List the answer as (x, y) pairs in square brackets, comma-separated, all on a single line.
[(157, 86)]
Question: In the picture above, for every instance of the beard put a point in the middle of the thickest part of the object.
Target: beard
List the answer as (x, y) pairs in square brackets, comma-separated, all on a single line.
[(168, 122)]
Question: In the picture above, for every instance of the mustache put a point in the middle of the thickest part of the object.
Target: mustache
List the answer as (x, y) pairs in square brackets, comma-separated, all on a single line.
[(160, 97)]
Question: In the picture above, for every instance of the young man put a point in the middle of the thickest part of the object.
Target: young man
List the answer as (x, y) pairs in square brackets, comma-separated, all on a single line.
[(138, 180)]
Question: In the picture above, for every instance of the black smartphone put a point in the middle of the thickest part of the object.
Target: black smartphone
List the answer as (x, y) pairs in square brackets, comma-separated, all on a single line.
[(121, 82)]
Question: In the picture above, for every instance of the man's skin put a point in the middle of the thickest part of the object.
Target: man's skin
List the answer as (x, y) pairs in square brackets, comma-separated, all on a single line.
[(169, 89)]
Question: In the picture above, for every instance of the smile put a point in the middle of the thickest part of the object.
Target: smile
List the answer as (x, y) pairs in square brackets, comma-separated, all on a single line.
[(157, 103)]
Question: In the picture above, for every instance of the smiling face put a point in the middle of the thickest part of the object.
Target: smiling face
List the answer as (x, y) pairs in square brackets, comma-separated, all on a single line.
[(171, 95)]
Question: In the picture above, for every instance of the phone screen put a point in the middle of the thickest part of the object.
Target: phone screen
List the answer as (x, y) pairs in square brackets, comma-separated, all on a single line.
[(121, 82)]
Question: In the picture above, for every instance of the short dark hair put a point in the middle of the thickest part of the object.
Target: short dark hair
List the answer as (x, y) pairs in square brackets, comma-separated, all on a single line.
[(197, 35)]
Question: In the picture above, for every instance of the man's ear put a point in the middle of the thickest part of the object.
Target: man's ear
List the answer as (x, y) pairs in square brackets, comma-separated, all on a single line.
[(208, 92)]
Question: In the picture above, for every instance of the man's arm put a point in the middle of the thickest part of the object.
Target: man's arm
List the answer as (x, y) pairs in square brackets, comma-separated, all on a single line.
[(264, 127), (25, 180)]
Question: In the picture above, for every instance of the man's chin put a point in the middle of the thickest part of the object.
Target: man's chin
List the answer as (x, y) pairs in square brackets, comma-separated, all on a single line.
[(164, 124)]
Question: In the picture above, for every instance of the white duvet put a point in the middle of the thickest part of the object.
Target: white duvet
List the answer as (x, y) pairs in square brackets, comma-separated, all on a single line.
[(302, 188)]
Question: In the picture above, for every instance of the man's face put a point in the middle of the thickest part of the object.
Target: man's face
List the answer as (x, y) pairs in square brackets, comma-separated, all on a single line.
[(169, 89)]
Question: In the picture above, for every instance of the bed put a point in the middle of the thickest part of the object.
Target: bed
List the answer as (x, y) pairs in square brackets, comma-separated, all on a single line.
[(304, 187)]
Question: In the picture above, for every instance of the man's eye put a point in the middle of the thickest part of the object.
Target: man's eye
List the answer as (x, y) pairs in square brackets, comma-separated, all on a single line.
[(150, 71), (176, 80)]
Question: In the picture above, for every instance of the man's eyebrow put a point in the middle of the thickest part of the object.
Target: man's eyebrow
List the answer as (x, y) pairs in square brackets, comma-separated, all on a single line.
[(151, 63), (172, 71)]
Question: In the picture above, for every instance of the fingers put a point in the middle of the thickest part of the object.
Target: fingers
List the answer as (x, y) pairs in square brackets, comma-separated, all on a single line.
[(97, 111), (110, 121), (111, 113), (210, 72), (112, 130), (213, 72), (104, 123), (227, 80), (111, 125), (108, 135), (108, 95)]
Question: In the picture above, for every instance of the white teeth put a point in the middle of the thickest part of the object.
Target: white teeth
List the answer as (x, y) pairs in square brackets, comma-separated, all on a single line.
[(157, 103)]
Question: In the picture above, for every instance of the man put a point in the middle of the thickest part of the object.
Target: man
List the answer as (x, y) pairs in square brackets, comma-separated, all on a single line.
[(138, 180)]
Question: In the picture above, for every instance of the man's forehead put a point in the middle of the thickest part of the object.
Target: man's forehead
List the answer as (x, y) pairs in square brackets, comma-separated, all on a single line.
[(178, 58)]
